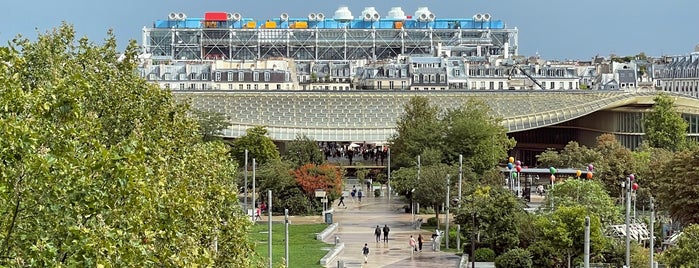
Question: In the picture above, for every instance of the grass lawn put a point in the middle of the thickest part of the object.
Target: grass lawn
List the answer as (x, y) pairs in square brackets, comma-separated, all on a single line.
[(304, 249)]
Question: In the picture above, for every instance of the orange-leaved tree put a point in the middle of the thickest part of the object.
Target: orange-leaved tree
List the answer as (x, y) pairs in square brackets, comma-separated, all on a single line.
[(326, 176)]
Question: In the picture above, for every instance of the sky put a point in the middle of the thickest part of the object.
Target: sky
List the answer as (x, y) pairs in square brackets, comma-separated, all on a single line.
[(555, 29)]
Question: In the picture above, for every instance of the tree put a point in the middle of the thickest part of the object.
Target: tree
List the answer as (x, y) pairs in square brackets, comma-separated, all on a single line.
[(676, 190), (99, 168), (588, 194), (514, 258), (616, 164), (665, 127), (257, 143), (211, 124), (684, 253), (326, 177), (562, 231), (419, 128), (572, 156), (497, 212), (431, 189), (303, 150), (471, 131)]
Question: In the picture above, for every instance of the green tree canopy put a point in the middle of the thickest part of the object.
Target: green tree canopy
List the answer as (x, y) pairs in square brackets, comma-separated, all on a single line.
[(684, 253), (100, 168), (431, 188), (563, 232), (419, 128), (498, 213), (676, 190), (257, 143), (303, 150), (211, 124), (478, 136), (665, 127), (586, 193)]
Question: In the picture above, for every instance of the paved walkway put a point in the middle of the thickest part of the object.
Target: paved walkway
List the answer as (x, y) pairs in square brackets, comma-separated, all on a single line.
[(356, 227)]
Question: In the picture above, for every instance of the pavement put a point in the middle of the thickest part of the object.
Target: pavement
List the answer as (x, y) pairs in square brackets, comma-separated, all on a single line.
[(357, 222)]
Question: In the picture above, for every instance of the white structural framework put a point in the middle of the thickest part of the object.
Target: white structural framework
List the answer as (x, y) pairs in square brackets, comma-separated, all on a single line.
[(314, 37)]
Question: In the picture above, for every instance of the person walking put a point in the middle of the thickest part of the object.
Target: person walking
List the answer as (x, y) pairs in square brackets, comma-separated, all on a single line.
[(385, 233), (342, 201), (420, 240), (353, 193), (365, 251), (359, 195), (377, 233), (413, 245)]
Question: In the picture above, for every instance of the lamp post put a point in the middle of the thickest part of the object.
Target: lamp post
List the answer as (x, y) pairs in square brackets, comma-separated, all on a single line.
[(253, 189), (458, 227), (652, 234), (388, 186), (269, 222), (446, 228), (628, 208), (246, 181)]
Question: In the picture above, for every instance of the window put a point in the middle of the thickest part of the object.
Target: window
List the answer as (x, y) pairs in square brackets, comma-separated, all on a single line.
[(570, 85), (241, 76), (255, 76), (390, 84), (267, 76), (256, 86), (279, 86), (229, 76), (500, 85), (240, 86), (492, 85), (248, 86), (457, 72), (181, 85), (217, 76), (286, 76), (167, 85), (378, 85), (553, 85), (191, 86), (192, 76), (205, 76), (230, 86), (168, 76), (267, 86)]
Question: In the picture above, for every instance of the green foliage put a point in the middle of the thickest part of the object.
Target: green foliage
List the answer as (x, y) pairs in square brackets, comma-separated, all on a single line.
[(484, 254), (417, 129), (303, 150), (431, 189), (563, 232), (211, 124), (478, 136), (684, 253), (676, 189), (361, 174), (572, 156), (514, 258), (665, 127), (259, 146), (432, 221), (377, 192), (588, 194), (498, 214), (100, 168)]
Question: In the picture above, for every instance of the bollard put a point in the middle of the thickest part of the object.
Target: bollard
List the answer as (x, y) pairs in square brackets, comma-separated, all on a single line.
[(337, 240), (340, 264)]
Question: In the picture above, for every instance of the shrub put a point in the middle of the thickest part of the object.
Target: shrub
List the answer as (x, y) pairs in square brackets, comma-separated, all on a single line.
[(484, 254), (431, 222), (514, 258), (377, 192)]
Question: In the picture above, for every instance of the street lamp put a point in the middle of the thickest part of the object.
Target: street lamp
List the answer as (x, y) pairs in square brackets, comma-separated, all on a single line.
[(630, 178)]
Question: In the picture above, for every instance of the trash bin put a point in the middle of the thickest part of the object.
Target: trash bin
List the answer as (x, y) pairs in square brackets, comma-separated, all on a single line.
[(329, 217)]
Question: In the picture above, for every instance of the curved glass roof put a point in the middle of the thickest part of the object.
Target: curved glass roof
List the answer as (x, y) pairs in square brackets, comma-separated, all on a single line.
[(371, 115)]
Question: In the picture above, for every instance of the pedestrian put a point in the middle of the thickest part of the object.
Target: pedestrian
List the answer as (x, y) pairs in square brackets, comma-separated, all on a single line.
[(365, 251), (353, 193), (377, 233), (342, 201), (420, 240), (257, 214), (385, 233), (412, 244), (359, 195)]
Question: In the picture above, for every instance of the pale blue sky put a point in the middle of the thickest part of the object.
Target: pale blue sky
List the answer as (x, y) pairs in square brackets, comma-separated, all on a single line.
[(556, 29)]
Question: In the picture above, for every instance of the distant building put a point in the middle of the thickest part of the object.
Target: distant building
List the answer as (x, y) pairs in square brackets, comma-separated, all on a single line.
[(679, 74)]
